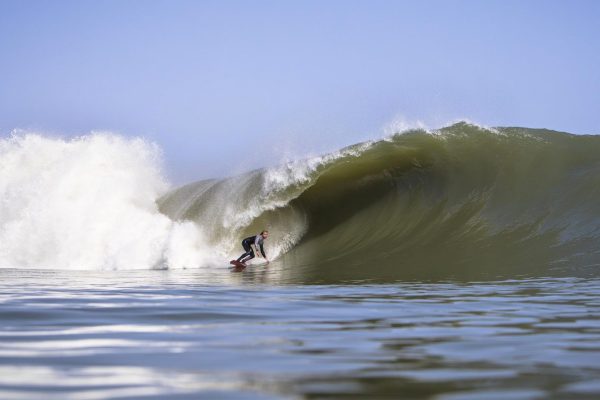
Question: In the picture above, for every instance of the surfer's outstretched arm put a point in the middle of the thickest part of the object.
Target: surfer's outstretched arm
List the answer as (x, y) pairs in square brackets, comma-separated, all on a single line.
[(258, 244), (262, 251)]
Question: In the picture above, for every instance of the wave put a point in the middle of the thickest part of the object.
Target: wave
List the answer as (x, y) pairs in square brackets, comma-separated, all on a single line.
[(459, 202)]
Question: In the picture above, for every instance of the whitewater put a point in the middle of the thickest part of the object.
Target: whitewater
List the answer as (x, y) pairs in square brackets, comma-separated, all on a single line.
[(88, 203)]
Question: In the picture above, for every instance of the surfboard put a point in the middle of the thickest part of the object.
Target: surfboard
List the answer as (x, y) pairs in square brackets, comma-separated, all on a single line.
[(237, 264)]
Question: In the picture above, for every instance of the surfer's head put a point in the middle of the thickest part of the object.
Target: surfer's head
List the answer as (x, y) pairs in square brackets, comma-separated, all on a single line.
[(264, 234)]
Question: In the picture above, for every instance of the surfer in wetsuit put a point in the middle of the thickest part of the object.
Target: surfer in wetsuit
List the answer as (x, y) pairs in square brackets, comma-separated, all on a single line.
[(258, 242)]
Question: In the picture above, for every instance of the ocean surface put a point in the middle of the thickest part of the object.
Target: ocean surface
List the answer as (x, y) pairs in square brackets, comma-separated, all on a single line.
[(458, 263), (225, 335)]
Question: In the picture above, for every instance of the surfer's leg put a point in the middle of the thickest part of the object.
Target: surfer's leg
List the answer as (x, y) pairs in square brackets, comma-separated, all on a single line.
[(249, 257), (243, 256), (248, 250)]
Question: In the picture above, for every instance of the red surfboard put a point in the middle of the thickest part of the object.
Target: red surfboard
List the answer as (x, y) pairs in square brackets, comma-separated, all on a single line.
[(237, 264)]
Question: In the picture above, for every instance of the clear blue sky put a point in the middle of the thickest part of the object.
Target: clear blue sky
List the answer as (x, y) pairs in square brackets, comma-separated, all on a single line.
[(224, 85)]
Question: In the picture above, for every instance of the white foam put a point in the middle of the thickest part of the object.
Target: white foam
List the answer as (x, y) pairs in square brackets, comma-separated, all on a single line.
[(400, 125), (89, 203)]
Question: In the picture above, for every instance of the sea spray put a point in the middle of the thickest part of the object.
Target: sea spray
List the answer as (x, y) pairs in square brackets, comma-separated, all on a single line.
[(88, 203)]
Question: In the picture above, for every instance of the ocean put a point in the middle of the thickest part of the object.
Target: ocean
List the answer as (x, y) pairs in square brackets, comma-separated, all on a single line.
[(457, 263)]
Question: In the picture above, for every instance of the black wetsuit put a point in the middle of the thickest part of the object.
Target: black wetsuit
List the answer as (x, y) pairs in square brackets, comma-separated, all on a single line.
[(257, 241)]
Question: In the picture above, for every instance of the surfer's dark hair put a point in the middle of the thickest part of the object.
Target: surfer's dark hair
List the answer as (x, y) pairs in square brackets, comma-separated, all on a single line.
[(265, 231)]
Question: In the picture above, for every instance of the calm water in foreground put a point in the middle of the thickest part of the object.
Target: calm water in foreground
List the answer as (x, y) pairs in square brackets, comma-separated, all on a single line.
[(183, 334)]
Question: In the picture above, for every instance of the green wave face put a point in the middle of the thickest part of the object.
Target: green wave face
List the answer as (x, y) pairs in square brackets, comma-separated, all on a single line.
[(463, 202)]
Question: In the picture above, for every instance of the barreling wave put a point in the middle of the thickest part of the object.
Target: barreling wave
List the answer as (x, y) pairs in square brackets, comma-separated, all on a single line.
[(460, 202)]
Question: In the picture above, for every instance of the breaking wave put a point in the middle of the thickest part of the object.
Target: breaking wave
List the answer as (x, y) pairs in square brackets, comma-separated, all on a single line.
[(461, 201)]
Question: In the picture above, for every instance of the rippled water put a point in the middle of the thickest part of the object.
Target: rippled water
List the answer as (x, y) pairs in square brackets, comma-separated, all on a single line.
[(181, 334)]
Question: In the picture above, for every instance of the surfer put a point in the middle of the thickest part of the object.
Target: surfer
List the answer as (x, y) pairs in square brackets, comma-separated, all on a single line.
[(258, 242)]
